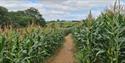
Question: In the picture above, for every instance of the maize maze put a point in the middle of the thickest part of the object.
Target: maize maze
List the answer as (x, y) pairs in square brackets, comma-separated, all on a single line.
[(101, 41), (97, 41), (29, 47)]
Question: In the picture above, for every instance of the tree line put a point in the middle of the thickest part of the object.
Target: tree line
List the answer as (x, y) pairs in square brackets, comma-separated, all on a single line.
[(21, 18)]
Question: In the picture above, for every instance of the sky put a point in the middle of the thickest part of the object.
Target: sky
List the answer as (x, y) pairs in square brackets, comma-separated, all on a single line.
[(61, 9)]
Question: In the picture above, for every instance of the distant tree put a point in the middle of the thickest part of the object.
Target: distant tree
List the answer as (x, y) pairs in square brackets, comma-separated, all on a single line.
[(58, 20), (3, 15), (37, 17), (21, 18)]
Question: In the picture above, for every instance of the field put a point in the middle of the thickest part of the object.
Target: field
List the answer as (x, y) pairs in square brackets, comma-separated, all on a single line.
[(102, 41), (96, 41), (26, 37), (29, 45)]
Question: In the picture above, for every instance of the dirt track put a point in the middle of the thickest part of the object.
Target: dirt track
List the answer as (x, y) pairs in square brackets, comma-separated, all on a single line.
[(65, 55)]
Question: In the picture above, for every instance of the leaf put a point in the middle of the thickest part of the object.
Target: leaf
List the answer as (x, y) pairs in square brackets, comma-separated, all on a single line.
[(100, 52)]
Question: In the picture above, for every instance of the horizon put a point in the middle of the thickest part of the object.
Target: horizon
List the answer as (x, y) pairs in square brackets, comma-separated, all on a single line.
[(68, 10)]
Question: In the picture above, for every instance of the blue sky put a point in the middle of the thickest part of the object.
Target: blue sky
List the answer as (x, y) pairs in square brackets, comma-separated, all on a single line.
[(61, 9)]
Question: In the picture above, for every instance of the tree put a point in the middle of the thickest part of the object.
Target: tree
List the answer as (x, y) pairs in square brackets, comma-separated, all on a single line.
[(37, 17), (21, 18), (3, 15)]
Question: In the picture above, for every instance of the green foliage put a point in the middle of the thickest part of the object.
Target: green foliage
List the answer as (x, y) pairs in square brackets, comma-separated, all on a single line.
[(103, 41), (21, 18), (32, 47), (3, 15), (63, 24), (37, 17)]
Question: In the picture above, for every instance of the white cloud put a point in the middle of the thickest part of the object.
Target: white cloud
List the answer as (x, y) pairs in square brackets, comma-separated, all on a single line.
[(63, 9), (17, 5)]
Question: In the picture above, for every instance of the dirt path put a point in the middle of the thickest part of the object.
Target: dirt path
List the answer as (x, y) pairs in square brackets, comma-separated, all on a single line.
[(65, 55)]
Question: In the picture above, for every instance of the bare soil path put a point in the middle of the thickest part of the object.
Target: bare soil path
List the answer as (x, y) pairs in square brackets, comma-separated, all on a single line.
[(66, 54)]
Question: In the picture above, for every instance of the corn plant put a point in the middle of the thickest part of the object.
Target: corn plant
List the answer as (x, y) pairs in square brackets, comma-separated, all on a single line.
[(35, 46), (2, 40), (102, 42)]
